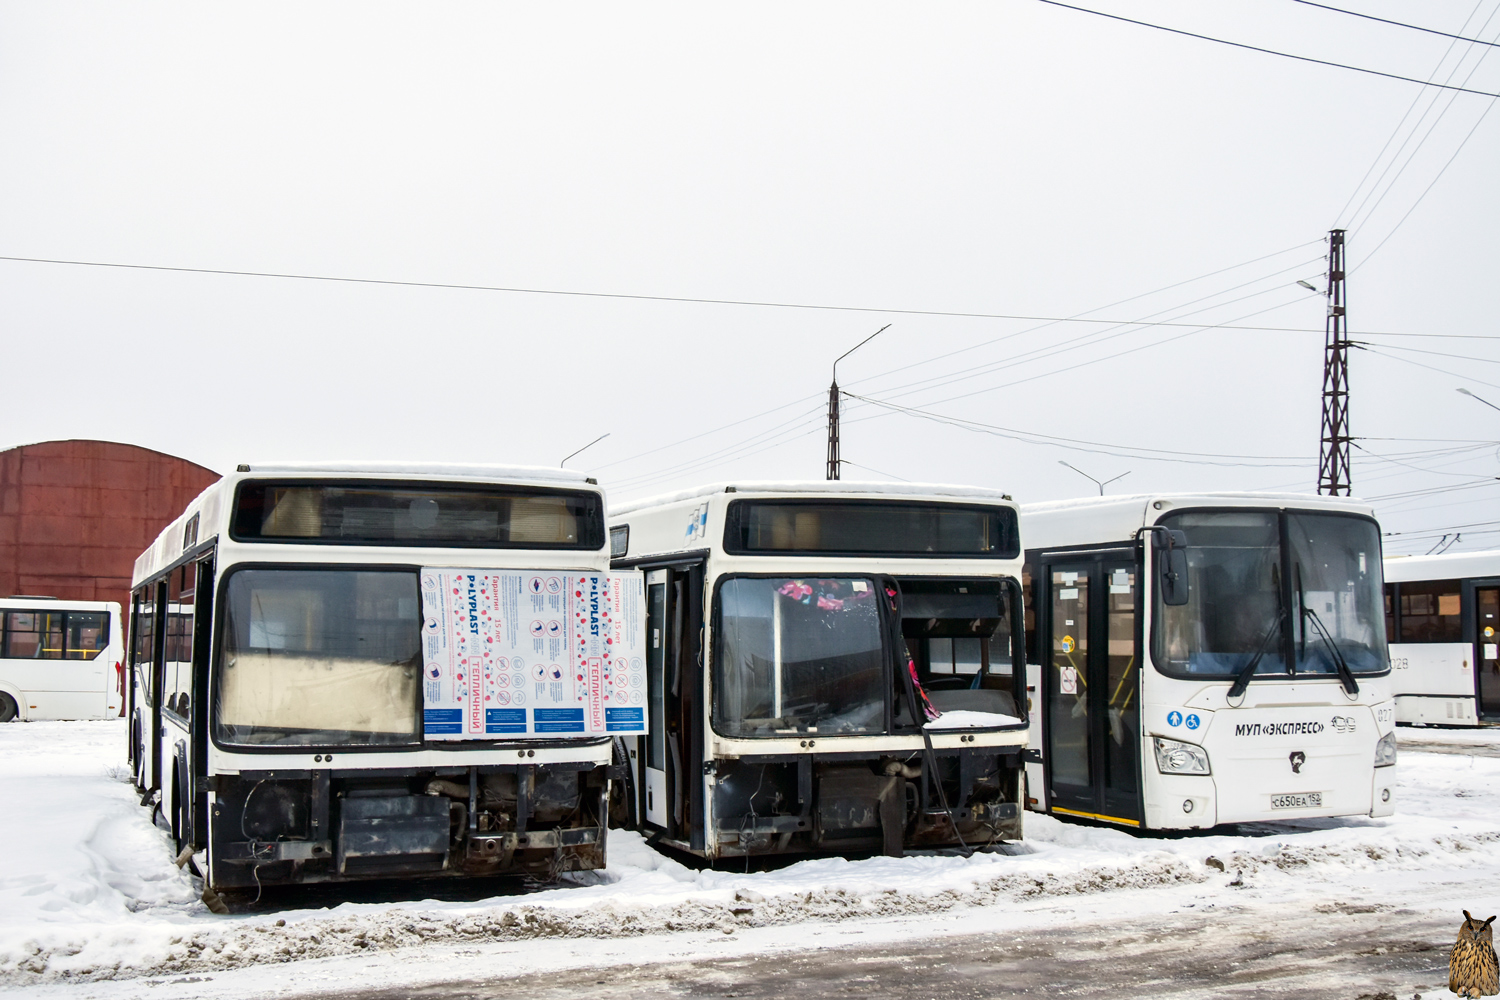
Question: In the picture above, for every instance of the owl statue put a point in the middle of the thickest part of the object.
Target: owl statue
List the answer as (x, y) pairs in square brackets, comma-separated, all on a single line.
[(1472, 968)]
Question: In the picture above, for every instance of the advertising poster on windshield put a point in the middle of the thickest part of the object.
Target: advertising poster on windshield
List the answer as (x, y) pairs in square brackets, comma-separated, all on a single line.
[(515, 654)]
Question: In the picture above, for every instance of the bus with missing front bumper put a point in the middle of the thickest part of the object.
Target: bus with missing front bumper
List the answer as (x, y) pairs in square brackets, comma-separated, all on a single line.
[(831, 667), (356, 671), (1207, 659)]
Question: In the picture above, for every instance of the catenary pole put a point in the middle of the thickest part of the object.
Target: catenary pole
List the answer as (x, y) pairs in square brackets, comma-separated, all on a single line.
[(833, 405), (1333, 452)]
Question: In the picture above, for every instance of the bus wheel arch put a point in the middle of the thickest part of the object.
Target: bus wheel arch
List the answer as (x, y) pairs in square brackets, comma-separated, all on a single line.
[(11, 706)]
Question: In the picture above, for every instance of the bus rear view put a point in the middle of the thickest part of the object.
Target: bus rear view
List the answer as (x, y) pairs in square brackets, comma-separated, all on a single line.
[(1210, 659)]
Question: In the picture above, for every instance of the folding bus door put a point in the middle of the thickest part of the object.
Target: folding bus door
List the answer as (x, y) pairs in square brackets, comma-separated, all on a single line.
[(1091, 685), (654, 760)]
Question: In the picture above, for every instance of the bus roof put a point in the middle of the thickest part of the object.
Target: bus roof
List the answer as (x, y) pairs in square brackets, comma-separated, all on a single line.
[(1087, 520), (29, 601), (1448, 566), (824, 486), (213, 510), (506, 473)]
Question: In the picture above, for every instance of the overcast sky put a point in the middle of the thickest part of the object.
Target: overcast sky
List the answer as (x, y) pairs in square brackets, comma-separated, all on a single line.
[(1008, 158)]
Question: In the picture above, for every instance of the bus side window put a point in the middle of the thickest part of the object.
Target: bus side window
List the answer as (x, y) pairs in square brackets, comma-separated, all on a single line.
[(177, 678), (1431, 612), (143, 639), (87, 633), (33, 635)]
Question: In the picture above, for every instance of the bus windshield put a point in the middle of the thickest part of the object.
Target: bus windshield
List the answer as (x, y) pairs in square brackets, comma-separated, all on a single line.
[(798, 656), (319, 657), (1241, 603)]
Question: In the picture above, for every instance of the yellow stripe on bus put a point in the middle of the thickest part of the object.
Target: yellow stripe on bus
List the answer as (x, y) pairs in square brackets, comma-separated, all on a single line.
[(1098, 816)]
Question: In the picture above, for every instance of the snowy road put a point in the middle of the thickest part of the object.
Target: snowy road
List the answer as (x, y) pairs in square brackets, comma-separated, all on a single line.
[(91, 906), (1267, 951)]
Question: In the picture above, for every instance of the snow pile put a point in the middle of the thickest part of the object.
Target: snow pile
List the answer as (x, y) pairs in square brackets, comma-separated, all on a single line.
[(97, 896)]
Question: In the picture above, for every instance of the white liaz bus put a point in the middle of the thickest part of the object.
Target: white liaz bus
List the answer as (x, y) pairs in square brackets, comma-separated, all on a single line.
[(1208, 659), (60, 659), (355, 671), (831, 667), (1442, 613)]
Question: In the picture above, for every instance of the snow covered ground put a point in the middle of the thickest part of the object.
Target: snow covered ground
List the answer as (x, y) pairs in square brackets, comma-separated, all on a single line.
[(92, 906)]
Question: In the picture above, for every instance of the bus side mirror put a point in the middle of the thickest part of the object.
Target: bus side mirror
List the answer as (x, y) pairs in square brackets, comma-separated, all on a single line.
[(1171, 561)]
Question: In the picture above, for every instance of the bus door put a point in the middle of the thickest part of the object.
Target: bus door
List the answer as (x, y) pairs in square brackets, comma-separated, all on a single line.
[(157, 592), (674, 746), (1487, 649), (653, 763), (1091, 685)]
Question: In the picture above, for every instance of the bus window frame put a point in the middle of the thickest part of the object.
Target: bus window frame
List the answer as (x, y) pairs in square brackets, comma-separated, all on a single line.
[(731, 544), (210, 717), (1285, 647), (425, 486), (890, 630)]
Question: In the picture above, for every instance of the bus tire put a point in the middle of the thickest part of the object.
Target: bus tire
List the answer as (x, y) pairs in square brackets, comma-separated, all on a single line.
[(8, 708), (137, 754)]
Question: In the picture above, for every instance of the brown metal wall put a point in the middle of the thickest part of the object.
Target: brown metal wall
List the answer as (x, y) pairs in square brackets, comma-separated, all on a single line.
[(75, 514)]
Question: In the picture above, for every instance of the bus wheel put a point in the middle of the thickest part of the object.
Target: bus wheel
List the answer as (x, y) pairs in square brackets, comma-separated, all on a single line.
[(8, 709)]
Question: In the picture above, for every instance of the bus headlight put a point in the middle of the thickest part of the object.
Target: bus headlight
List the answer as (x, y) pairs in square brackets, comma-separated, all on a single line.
[(1385, 750), (1180, 758)]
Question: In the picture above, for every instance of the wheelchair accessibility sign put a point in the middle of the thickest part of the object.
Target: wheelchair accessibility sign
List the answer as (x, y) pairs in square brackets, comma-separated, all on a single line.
[(1174, 719)]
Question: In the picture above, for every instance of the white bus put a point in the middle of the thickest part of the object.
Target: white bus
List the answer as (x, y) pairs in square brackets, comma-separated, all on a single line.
[(1442, 613), (354, 671), (831, 667), (60, 659), (1208, 659)]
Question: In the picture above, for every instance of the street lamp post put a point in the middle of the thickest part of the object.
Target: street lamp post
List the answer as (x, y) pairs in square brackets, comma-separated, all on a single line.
[(1096, 482)]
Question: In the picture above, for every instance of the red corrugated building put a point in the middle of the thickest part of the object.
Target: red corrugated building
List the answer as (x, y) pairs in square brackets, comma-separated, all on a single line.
[(75, 514)]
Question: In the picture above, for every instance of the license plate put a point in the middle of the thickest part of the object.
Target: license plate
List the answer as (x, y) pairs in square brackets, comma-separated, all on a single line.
[(1297, 800)]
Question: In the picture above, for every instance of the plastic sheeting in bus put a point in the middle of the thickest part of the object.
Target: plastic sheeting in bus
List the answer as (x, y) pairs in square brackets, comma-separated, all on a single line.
[(510, 654)]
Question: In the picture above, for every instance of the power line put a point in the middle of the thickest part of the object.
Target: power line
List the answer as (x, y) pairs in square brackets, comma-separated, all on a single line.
[(1096, 447), (1425, 191), (1086, 312), (1399, 24), (1361, 223), (1270, 52), (1082, 340), (1416, 99), (1200, 328), (1429, 491), (1442, 371), (1440, 354), (1451, 527), (754, 303), (630, 296)]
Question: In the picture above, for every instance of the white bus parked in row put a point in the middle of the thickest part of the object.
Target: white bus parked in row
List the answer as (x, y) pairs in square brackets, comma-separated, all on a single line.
[(60, 659), (831, 667), (1207, 659), (1442, 614), (351, 671)]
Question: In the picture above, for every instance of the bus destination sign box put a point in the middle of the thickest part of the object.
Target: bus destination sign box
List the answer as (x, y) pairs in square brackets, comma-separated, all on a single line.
[(516, 654)]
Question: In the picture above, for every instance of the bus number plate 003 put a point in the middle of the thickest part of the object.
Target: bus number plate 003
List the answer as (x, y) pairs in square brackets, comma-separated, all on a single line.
[(1297, 800)]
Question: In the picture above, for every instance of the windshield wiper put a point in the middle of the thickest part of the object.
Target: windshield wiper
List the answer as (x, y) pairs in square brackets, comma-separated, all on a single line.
[(1242, 679), (1346, 676)]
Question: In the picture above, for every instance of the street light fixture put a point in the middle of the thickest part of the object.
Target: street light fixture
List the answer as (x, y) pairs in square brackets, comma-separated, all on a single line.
[(1486, 402), (585, 448), (1096, 482)]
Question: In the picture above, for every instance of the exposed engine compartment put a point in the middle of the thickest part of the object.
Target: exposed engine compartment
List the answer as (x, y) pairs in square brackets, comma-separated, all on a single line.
[(290, 826), (850, 802)]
